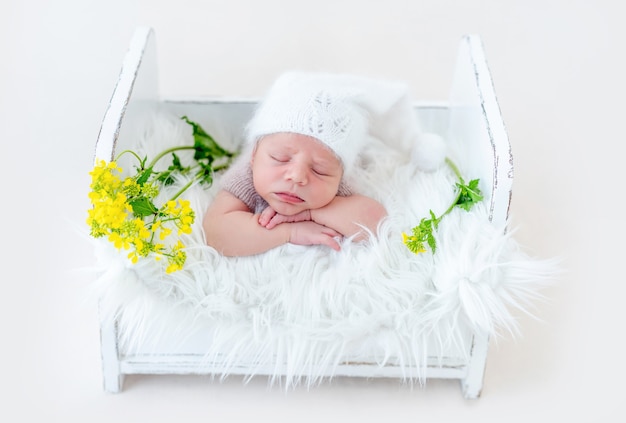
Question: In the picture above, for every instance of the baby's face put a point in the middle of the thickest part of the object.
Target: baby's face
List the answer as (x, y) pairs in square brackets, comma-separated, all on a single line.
[(294, 172)]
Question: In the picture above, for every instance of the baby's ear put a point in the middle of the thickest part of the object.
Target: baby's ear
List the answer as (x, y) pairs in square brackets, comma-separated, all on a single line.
[(252, 151)]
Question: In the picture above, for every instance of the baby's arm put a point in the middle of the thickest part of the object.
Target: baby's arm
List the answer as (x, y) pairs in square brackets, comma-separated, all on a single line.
[(233, 230), (344, 214)]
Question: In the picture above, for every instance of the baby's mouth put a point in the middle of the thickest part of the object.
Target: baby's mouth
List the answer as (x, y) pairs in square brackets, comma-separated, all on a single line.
[(289, 198)]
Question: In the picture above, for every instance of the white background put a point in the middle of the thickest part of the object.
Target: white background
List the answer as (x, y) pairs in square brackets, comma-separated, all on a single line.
[(558, 68)]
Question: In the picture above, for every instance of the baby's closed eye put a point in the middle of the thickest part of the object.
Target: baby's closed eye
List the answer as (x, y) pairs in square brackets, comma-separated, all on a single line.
[(280, 158), (321, 172)]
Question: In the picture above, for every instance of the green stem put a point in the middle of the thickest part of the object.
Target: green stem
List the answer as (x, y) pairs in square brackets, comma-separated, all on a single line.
[(184, 188), (453, 205), (457, 172), (168, 151), (454, 168), (128, 151), (222, 166)]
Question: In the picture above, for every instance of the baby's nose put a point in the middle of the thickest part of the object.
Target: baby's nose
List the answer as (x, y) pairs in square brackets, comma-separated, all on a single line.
[(297, 173)]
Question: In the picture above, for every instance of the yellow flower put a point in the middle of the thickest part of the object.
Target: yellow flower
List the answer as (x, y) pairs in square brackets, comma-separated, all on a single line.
[(138, 243), (118, 241), (413, 243), (131, 187), (185, 229), (164, 233), (133, 256), (177, 259), (170, 207), (140, 228)]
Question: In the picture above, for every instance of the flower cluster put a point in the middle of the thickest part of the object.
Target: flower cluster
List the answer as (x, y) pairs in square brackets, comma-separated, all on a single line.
[(124, 209), (422, 234), (113, 216)]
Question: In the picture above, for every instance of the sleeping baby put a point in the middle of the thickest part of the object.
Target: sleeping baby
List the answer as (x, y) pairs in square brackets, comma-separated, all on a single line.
[(291, 182)]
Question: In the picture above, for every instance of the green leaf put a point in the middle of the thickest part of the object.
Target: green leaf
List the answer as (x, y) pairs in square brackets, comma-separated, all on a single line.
[(176, 164), (431, 242), (165, 176), (144, 176), (205, 174), (469, 194), (204, 144), (434, 220), (143, 207)]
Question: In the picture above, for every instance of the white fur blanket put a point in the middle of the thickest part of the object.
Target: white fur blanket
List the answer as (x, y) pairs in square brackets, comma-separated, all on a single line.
[(312, 307)]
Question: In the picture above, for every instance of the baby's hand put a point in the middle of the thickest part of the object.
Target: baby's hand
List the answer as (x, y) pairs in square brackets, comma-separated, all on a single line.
[(270, 219), (311, 233)]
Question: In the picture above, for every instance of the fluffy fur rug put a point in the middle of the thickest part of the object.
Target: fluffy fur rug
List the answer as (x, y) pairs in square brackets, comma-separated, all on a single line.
[(312, 307)]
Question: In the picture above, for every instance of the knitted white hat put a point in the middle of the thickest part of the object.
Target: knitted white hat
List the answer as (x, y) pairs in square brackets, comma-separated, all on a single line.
[(317, 105), (343, 112)]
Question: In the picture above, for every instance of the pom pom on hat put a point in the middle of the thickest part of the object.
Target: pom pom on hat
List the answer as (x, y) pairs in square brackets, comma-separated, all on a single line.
[(429, 152), (317, 105)]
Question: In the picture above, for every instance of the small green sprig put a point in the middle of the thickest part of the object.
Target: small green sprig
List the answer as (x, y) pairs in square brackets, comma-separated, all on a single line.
[(209, 157), (421, 235)]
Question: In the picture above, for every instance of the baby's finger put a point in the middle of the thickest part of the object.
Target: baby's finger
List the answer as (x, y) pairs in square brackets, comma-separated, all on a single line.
[(331, 232), (266, 216), (276, 220), (332, 243)]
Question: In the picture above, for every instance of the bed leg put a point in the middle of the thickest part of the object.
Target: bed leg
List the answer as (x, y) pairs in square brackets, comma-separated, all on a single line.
[(472, 384), (112, 376)]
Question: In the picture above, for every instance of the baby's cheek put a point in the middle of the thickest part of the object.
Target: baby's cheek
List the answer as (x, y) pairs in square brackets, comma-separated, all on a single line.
[(324, 196), (261, 184)]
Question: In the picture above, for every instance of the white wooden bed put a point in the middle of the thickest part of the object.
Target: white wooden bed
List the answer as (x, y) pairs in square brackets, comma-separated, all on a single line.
[(471, 123)]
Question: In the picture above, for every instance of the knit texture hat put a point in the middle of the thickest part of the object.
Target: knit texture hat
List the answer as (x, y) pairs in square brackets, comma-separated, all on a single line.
[(317, 105), (345, 112)]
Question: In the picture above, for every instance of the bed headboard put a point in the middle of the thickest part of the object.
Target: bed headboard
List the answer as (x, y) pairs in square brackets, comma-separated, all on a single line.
[(476, 129), (139, 79)]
